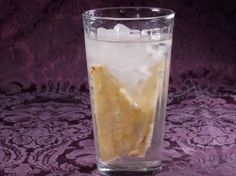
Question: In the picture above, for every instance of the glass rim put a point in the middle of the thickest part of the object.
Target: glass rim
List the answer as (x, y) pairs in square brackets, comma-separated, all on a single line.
[(90, 13)]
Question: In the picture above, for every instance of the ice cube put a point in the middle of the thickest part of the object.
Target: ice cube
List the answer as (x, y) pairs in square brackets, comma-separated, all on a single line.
[(129, 62), (122, 31), (156, 34), (158, 51), (121, 28), (119, 32), (105, 34), (101, 33), (135, 34), (146, 34), (144, 70)]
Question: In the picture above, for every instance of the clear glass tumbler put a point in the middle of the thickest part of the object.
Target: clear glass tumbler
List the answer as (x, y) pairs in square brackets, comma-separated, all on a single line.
[(128, 52)]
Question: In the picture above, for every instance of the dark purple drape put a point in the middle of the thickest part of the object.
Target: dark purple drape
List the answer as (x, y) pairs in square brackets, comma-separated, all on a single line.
[(45, 119), (41, 42)]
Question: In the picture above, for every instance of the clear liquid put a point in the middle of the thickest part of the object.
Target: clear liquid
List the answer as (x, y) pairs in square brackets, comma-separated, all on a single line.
[(138, 68)]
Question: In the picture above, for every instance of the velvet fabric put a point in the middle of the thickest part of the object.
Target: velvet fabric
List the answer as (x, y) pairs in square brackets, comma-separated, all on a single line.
[(45, 116)]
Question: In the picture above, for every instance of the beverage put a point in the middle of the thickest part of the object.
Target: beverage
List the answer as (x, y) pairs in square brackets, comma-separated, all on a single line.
[(128, 75), (127, 80)]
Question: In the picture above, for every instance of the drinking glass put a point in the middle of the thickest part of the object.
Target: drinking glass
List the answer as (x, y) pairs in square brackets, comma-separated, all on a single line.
[(128, 51)]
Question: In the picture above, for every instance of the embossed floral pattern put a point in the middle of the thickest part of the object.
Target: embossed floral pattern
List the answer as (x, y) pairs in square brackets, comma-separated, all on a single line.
[(45, 117), (42, 134)]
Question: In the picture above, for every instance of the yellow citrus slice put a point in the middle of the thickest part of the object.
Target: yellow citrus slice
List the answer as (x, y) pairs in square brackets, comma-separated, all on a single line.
[(125, 121), (151, 91), (119, 120)]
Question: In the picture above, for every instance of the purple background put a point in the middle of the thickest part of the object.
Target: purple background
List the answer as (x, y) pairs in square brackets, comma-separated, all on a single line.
[(45, 119)]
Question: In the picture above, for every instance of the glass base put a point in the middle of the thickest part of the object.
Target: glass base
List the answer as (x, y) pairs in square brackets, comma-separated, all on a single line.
[(139, 169)]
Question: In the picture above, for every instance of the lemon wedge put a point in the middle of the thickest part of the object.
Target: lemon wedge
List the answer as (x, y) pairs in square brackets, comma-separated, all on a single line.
[(124, 122), (119, 121), (151, 91)]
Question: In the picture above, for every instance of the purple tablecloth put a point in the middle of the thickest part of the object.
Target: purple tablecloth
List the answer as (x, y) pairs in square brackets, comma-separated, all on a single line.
[(45, 118), (49, 133)]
